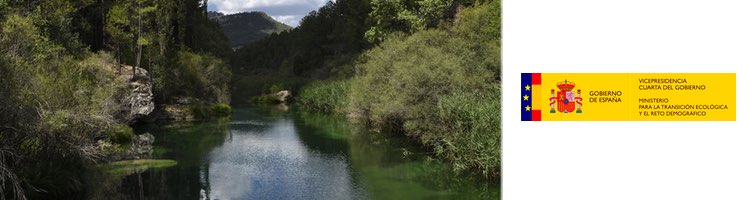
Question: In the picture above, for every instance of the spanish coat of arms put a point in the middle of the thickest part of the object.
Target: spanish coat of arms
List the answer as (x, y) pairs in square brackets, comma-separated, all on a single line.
[(567, 101)]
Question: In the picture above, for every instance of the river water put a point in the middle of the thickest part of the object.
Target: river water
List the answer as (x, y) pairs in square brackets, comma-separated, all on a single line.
[(268, 153)]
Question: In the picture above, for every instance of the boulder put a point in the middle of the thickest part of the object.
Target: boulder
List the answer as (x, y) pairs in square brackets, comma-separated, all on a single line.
[(283, 96), (138, 102), (172, 112), (182, 100), (144, 139), (141, 147), (181, 109), (282, 107), (140, 99)]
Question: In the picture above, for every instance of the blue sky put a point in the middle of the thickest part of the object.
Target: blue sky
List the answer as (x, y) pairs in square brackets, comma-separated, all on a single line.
[(289, 12)]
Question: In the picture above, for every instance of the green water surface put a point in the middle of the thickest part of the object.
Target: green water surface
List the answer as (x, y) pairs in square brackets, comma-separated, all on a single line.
[(267, 153)]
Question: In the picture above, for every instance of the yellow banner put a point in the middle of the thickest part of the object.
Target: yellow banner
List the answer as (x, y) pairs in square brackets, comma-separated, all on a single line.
[(636, 97)]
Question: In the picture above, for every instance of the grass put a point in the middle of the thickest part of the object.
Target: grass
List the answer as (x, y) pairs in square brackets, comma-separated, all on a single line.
[(473, 130), (128, 167), (326, 96), (461, 127)]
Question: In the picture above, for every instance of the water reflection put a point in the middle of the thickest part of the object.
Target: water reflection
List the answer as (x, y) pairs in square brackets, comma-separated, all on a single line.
[(275, 164), (390, 167), (271, 154)]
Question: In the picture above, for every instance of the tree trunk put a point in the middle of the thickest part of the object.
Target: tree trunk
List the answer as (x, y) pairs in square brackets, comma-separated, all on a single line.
[(137, 42), (119, 57), (104, 22)]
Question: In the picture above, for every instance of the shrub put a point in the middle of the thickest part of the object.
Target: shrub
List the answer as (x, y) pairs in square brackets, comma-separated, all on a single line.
[(121, 134), (441, 87), (54, 107), (201, 111), (265, 99), (276, 87), (325, 96), (211, 111), (221, 109), (403, 78), (197, 75)]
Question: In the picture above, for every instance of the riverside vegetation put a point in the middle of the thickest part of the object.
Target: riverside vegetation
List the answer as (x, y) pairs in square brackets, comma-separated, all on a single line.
[(426, 69), (63, 92), (429, 70)]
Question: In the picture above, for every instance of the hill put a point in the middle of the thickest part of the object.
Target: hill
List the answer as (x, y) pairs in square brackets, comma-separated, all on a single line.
[(247, 27)]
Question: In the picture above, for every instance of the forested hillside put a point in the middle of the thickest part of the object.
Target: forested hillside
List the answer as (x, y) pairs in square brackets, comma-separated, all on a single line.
[(328, 37), (62, 93), (247, 27)]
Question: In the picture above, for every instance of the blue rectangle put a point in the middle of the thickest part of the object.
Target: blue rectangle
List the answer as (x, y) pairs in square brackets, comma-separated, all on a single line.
[(526, 82)]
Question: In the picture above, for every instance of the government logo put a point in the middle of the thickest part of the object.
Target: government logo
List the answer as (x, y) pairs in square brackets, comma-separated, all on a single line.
[(566, 100)]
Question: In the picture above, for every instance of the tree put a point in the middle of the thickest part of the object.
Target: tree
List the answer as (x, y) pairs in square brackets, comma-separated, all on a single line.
[(330, 37), (125, 25), (118, 26), (406, 16), (144, 8)]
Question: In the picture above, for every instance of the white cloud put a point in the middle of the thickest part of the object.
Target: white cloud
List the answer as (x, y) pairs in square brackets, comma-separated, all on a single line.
[(289, 12), (291, 20)]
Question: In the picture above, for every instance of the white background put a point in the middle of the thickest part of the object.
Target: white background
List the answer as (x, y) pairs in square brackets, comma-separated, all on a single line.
[(625, 160)]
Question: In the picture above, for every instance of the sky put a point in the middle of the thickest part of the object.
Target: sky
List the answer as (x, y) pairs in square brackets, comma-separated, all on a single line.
[(289, 12)]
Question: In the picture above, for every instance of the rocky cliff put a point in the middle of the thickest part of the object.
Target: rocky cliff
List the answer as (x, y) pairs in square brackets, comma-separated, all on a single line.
[(138, 100)]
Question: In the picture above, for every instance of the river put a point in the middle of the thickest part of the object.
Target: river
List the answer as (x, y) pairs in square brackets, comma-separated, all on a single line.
[(268, 153)]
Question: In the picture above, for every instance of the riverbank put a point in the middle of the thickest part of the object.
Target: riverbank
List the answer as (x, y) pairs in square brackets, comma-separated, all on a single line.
[(440, 87), (463, 129)]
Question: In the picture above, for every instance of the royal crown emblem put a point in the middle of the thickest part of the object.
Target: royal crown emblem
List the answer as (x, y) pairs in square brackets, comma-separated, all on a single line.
[(566, 99)]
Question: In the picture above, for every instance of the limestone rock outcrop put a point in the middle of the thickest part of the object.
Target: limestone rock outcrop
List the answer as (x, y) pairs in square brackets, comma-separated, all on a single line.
[(138, 101)]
